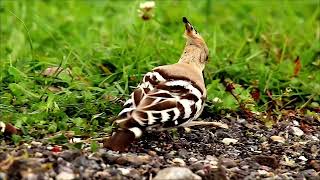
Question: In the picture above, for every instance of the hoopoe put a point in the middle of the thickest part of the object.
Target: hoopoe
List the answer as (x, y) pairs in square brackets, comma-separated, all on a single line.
[(169, 95)]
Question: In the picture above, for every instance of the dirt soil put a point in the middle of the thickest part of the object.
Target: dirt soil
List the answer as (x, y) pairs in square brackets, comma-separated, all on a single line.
[(247, 150)]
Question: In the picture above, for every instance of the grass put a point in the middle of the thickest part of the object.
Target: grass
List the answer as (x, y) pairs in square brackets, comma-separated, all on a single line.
[(108, 47)]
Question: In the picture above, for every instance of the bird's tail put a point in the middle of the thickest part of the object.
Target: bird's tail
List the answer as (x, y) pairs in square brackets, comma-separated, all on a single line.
[(122, 138)]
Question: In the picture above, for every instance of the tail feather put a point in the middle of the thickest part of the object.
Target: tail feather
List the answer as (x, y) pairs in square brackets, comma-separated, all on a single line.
[(122, 138)]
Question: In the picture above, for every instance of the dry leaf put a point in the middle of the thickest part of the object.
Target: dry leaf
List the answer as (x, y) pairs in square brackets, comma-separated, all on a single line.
[(297, 66), (52, 71)]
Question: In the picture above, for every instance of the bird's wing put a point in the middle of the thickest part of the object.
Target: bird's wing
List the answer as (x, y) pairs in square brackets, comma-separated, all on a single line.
[(162, 101)]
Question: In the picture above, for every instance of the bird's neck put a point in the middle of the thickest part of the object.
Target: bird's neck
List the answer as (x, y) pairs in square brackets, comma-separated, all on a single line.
[(193, 55)]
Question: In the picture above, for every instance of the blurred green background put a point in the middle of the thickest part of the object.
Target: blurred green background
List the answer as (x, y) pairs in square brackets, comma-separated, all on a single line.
[(105, 47)]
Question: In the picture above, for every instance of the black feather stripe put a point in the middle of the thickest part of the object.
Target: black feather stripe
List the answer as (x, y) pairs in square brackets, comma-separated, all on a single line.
[(193, 110), (161, 94), (173, 89), (168, 124), (164, 105), (150, 79), (181, 110), (169, 77), (157, 116), (127, 105), (171, 114), (190, 96)]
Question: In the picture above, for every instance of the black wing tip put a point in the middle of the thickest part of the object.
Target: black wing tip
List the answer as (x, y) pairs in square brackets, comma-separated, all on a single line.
[(185, 20)]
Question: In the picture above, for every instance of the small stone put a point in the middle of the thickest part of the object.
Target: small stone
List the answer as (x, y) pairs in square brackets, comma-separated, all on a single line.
[(3, 175), (228, 141), (201, 172), (183, 153), (302, 158), (262, 172), (278, 139), (296, 123), (187, 130), (245, 167), (193, 160), (228, 163), (124, 171), (310, 173), (36, 143), (267, 161), (177, 173), (133, 159), (69, 155), (101, 175), (152, 153), (297, 131), (65, 176), (315, 164), (38, 155), (196, 166), (179, 161)]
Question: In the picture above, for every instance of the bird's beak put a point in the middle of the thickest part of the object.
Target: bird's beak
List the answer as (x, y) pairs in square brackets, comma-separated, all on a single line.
[(187, 24)]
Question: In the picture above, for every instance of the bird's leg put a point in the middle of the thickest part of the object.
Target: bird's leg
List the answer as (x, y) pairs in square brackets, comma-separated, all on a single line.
[(205, 123)]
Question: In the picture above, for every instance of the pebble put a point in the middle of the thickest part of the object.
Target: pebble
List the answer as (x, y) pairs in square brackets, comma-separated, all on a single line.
[(3, 175), (296, 131), (152, 153), (278, 139), (36, 143), (196, 166), (124, 171), (310, 173), (101, 175), (183, 153), (228, 141), (302, 158), (129, 159), (228, 163), (179, 162), (193, 160), (65, 176), (177, 173), (38, 155), (270, 161)]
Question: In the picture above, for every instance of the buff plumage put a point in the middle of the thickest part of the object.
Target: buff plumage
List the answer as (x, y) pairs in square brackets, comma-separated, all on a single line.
[(168, 96)]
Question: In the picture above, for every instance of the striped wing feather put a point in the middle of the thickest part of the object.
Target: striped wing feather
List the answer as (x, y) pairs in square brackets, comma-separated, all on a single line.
[(162, 101)]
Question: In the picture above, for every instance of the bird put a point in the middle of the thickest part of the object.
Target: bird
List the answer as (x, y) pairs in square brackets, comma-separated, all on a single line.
[(168, 96)]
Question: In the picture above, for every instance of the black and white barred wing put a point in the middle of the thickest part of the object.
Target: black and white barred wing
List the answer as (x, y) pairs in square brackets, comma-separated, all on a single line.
[(163, 101)]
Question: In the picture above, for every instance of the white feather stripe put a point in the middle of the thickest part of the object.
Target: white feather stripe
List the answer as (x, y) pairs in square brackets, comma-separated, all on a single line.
[(148, 74), (194, 91), (176, 113), (125, 110), (198, 105), (186, 85), (146, 84), (151, 119), (158, 76), (187, 107), (177, 83), (199, 111), (129, 101), (136, 131), (165, 116)]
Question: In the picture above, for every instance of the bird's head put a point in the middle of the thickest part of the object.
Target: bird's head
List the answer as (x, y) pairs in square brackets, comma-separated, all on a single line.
[(196, 50)]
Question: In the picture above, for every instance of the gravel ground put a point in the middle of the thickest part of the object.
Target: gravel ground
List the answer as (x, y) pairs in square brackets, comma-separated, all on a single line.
[(247, 150)]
